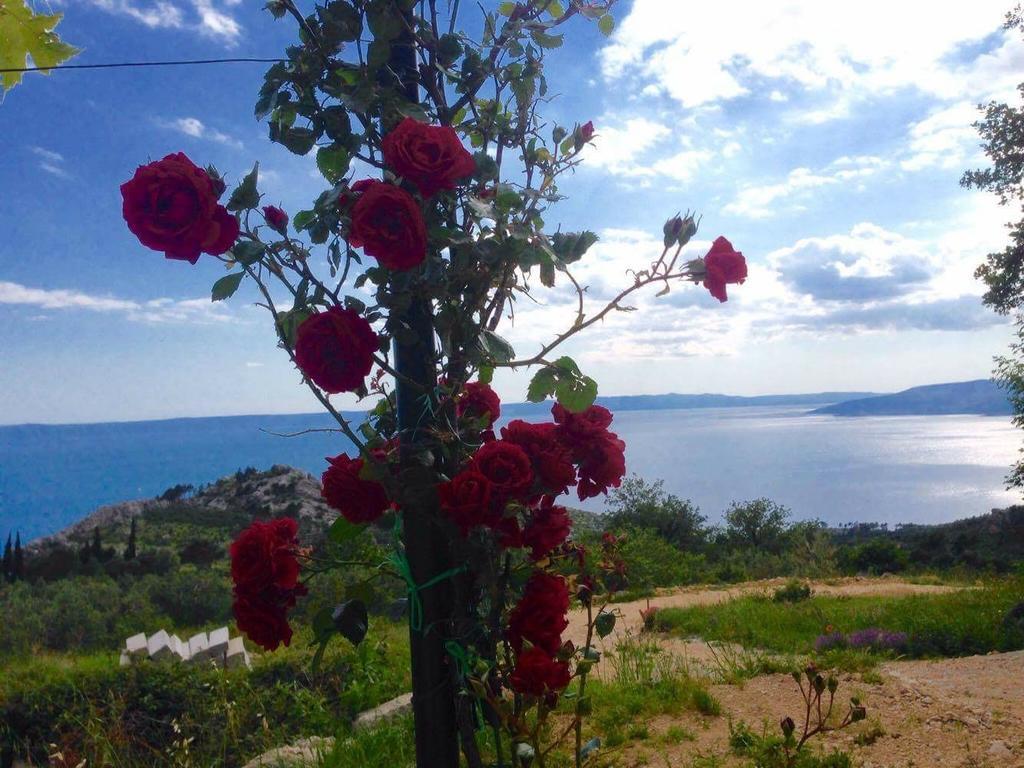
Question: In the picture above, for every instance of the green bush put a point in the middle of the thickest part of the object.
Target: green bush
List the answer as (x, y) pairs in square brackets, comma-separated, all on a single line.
[(878, 555), (94, 709), (793, 591), (653, 562)]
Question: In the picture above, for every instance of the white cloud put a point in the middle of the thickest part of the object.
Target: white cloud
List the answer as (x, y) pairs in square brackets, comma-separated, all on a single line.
[(206, 18), (868, 279), (197, 129), (616, 148), (152, 311), (216, 23), (714, 52), (51, 162), (943, 138), (758, 201)]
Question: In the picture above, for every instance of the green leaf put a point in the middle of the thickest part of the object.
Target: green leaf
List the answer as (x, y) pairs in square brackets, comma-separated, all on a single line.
[(303, 219), (26, 36), (337, 123), (486, 374), (545, 40), (576, 394), (226, 286), (604, 624), (571, 246), (566, 363), (248, 252), (542, 385), (555, 9), (496, 347), (297, 140), (378, 53), (333, 162), (606, 24), (506, 9), (351, 620), (342, 531), (245, 195)]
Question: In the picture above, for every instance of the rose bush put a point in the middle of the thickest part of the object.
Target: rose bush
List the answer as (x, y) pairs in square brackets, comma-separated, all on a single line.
[(438, 167)]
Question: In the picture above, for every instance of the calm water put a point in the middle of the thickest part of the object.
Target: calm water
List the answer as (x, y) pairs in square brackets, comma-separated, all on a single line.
[(892, 469)]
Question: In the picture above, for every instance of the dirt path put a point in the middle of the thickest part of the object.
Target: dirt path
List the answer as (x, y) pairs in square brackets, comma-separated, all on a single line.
[(954, 713)]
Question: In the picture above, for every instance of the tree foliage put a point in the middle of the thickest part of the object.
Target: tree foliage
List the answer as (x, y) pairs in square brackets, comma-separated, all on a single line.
[(27, 38)]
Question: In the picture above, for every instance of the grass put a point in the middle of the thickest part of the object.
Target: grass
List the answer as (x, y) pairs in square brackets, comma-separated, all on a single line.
[(390, 745), (959, 623)]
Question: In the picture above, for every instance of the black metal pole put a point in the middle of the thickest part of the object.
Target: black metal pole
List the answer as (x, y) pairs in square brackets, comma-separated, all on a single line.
[(427, 549)]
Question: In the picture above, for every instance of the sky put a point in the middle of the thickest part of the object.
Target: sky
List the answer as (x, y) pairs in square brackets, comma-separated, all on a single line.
[(825, 140)]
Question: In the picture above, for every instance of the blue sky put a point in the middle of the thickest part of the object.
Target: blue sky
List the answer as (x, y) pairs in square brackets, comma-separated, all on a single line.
[(826, 141)]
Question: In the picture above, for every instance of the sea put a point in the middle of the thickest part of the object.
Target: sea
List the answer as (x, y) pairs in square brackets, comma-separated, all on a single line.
[(893, 469)]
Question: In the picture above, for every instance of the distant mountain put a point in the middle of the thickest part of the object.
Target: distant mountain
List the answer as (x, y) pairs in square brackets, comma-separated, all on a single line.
[(673, 401), (982, 397)]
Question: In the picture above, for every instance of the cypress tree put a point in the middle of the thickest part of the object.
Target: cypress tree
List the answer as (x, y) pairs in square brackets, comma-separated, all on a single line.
[(8, 560), (97, 545), (129, 551), (18, 567)]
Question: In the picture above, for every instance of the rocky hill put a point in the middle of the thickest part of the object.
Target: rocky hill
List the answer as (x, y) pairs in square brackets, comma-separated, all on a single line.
[(231, 502)]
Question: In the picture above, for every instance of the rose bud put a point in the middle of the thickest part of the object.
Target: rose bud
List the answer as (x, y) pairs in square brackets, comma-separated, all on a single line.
[(788, 726), (276, 218), (672, 229), (583, 134)]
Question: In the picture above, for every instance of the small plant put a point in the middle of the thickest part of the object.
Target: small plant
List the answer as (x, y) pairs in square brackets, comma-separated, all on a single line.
[(794, 591), (870, 735), (817, 713), (648, 616)]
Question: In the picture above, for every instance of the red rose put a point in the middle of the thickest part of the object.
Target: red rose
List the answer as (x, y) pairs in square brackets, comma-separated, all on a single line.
[(552, 461), (276, 218), (548, 528), (599, 454), (506, 466), (466, 499), (358, 500), (577, 428), (335, 349), (171, 206), (602, 465), (537, 674), (387, 224), (587, 130), (478, 401), (263, 556), (263, 616), (723, 265), (430, 156), (539, 616)]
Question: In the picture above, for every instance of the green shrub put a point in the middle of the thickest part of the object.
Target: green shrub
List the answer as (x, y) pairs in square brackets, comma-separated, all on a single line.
[(93, 708), (653, 562), (793, 591), (878, 555)]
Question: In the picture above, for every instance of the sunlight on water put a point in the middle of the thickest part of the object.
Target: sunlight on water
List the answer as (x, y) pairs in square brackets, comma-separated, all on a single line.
[(885, 469)]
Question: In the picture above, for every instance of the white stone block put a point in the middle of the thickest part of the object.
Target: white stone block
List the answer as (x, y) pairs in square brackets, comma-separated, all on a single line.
[(136, 644), (197, 645), (159, 646), (236, 655), (218, 644), (125, 659), (180, 649)]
